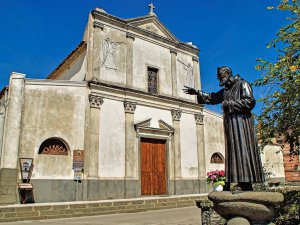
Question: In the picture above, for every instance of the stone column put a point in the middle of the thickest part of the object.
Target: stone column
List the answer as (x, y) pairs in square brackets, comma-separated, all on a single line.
[(176, 114), (129, 60), (97, 50), (11, 139), (196, 73), (130, 153), (95, 104), (199, 118), (173, 72)]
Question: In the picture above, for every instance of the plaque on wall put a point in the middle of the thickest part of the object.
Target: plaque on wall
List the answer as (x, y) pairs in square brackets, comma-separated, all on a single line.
[(78, 160), (26, 165)]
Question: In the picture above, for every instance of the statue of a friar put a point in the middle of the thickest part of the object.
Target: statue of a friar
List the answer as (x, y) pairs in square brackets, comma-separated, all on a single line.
[(242, 157)]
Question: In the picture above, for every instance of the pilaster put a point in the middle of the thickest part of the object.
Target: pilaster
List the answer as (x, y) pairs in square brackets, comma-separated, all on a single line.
[(11, 139), (97, 49), (199, 119), (129, 60), (95, 105), (173, 72), (176, 115), (196, 72), (130, 151)]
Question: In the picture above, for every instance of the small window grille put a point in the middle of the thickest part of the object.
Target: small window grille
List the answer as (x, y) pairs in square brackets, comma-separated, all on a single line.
[(217, 158), (53, 146), (152, 80)]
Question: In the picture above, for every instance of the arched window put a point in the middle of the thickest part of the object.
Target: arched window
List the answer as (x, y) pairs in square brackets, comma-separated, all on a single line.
[(54, 146), (217, 158)]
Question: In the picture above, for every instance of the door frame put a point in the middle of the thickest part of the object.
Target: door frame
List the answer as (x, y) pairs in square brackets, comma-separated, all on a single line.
[(167, 161)]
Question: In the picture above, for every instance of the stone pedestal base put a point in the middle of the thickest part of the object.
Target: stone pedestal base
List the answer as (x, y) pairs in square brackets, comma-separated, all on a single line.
[(245, 208), (8, 186)]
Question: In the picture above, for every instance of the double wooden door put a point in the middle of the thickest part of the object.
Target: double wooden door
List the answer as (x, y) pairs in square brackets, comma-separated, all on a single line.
[(153, 166)]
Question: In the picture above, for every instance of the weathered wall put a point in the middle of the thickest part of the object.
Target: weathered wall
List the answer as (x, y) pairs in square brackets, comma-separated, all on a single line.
[(272, 161), (184, 65), (143, 113), (214, 138), (291, 165), (112, 140), (3, 109), (188, 141), (51, 110), (149, 54), (112, 66), (76, 71)]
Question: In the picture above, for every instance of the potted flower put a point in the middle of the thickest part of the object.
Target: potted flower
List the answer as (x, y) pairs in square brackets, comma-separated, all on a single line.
[(217, 179)]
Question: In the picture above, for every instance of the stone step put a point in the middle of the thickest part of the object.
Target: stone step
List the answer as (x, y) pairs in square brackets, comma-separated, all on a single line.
[(41, 211)]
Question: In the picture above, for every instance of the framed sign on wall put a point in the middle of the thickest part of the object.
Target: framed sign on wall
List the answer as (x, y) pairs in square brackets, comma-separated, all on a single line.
[(26, 165)]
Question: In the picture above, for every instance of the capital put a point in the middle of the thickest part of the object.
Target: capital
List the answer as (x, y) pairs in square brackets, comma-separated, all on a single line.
[(173, 51), (129, 107), (195, 59), (199, 118), (95, 101), (176, 114)]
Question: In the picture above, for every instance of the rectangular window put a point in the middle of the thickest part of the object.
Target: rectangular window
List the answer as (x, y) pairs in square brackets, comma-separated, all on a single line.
[(152, 80)]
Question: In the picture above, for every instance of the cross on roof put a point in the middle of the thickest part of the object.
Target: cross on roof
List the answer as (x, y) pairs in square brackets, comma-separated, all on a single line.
[(152, 7)]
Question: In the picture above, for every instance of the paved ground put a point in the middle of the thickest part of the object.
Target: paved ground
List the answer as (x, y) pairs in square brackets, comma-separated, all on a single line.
[(178, 216)]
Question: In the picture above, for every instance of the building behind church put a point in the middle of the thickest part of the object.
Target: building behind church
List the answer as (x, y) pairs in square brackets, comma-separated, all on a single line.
[(117, 97)]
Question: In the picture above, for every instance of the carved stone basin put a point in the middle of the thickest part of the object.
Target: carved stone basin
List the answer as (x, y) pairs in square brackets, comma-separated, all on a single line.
[(256, 207)]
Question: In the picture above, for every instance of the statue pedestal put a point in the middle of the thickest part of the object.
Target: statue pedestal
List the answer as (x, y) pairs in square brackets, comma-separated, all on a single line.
[(244, 208)]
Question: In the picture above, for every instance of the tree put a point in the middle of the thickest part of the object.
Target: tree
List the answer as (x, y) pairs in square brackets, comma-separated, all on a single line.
[(280, 114)]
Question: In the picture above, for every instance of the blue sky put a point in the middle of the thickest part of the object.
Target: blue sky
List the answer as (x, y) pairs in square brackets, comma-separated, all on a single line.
[(36, 35)]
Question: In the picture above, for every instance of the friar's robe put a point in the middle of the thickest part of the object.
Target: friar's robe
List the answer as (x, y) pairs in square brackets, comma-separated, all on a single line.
[(242, 157)]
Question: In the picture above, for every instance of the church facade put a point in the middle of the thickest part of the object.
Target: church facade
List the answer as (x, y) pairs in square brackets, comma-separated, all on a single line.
[(118, 98)]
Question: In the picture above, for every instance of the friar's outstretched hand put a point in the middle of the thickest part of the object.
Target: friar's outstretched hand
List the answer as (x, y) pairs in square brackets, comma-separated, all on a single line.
[(190, 90)]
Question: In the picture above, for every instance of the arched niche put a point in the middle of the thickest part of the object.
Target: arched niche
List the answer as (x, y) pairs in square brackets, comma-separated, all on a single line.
[(54, 146), (217, 158)]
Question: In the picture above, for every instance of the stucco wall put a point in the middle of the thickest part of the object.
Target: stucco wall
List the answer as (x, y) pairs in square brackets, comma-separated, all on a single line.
[(214, 138), (184, 67), (188, 141), (112, 139), (113, 56), (76, 71), (272, 161), (150, 54), (143, 113), (52, 111)]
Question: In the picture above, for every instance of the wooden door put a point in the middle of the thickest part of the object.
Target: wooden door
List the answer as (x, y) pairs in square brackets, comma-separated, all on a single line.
[(153, 166)]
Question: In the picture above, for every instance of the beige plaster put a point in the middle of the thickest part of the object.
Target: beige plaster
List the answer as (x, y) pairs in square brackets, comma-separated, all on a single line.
[(214, 138), (12, 127), (188, 142), (52, 111), (112, 139), (148, 54)]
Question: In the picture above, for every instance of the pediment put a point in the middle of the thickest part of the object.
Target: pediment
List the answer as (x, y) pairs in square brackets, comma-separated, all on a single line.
[(145, 126), (153, 25)]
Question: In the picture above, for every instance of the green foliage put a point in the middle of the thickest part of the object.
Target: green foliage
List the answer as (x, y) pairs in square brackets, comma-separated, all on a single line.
[(288, 212), (280, 115)]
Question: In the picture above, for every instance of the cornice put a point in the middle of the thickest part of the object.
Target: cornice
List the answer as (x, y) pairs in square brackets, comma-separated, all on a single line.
[(118, 92), (97, 24), (48, 82), (130, 35), (120, 23)]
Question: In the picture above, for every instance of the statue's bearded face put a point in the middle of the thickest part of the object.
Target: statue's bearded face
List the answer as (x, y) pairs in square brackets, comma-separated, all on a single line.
[(223, 77)]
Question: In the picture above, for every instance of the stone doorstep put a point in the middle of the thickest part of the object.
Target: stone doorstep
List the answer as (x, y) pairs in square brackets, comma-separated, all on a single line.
[(55, 210)]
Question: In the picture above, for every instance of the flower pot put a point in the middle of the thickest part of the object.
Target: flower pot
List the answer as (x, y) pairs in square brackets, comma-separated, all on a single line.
[(218, 187)]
